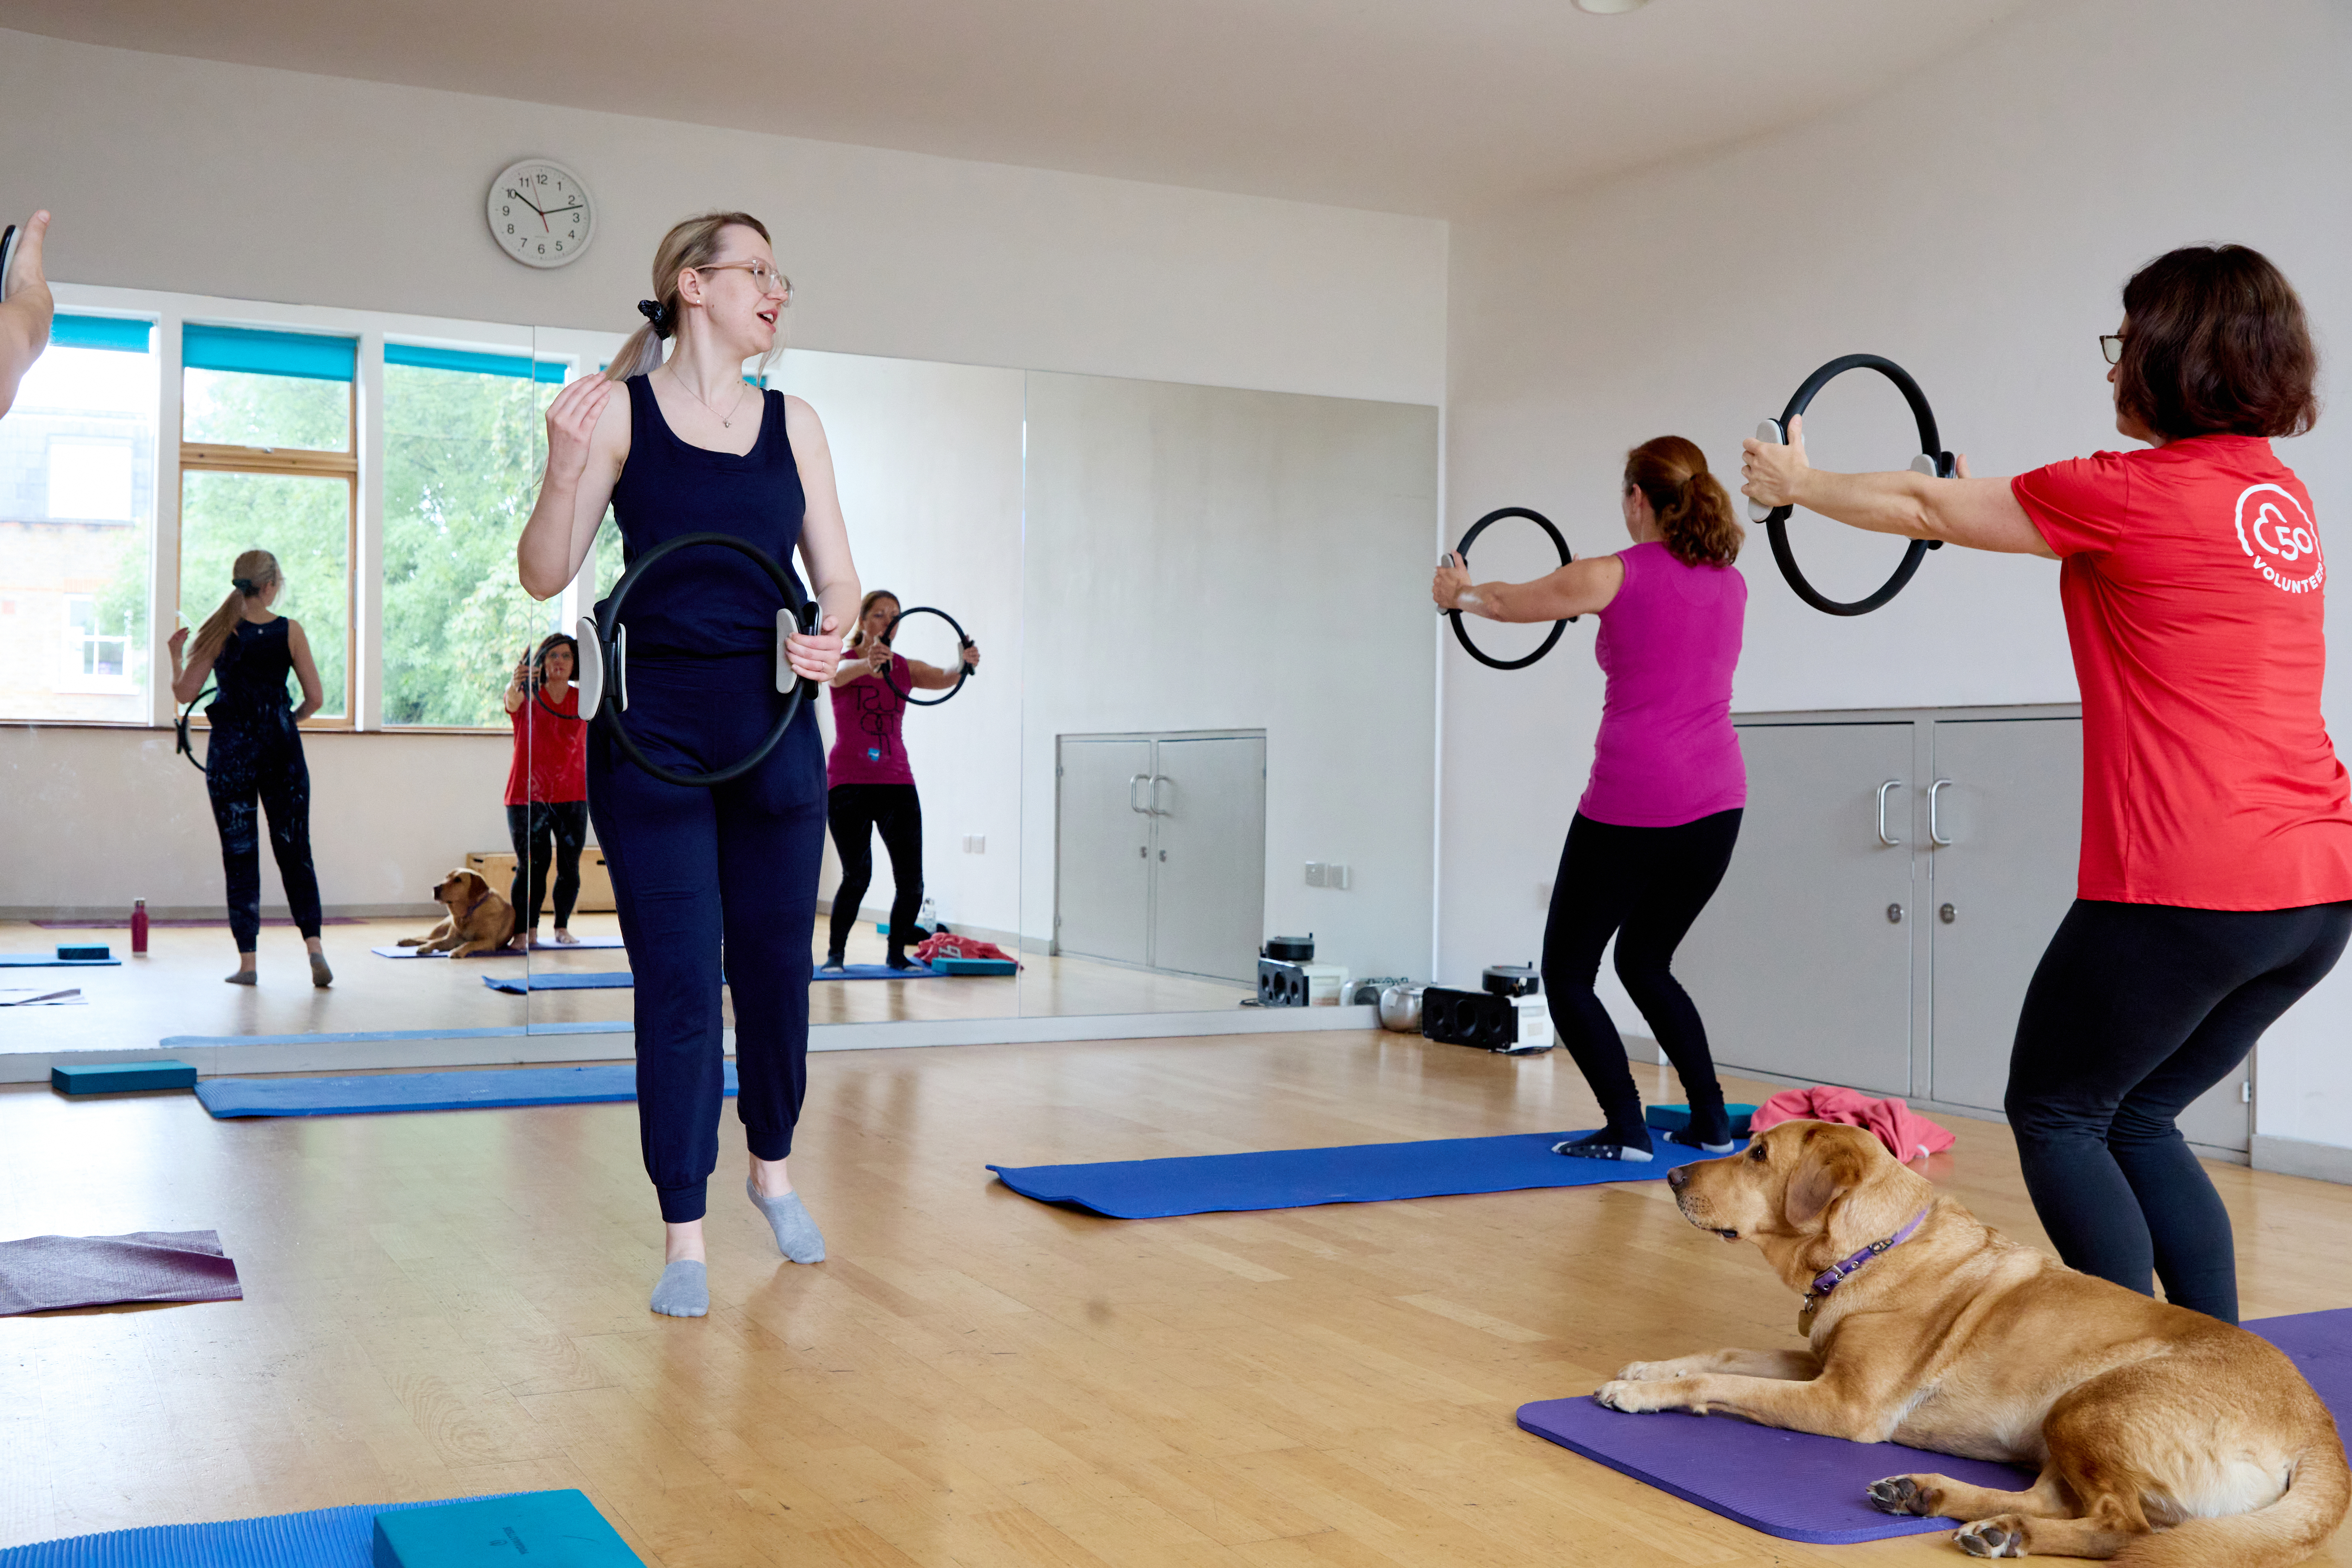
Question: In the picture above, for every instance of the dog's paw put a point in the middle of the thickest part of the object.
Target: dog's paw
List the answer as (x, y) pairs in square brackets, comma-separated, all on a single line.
[(2003, 1537), (1904, 1495), (1634, 1398), (1644, 1371)]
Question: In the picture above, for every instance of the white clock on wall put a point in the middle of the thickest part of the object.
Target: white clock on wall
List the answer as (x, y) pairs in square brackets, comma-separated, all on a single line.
[(540, 214)]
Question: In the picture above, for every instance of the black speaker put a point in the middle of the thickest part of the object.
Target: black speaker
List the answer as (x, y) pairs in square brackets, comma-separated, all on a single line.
[(1280, 985), (1478, 1018)]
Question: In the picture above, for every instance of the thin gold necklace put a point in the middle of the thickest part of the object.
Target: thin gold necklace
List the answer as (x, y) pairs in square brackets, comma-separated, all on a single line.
[(726, 420)]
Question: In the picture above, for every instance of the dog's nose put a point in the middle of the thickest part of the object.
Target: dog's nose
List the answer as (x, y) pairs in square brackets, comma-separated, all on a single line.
[(1678, 1178)]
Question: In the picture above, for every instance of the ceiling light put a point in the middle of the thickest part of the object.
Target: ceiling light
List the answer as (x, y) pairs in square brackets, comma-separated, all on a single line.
[(1610, 7)]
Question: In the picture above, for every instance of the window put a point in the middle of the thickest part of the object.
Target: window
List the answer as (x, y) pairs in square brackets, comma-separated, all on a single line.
[(77, 513), (268, 462), (464, 447)]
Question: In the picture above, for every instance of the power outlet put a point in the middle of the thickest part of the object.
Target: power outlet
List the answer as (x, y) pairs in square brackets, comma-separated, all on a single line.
[(975, 843), (1329, 874)]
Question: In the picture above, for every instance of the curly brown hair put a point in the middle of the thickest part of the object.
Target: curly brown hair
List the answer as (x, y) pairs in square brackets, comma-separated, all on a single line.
[(2215, 343), (1693, 513)]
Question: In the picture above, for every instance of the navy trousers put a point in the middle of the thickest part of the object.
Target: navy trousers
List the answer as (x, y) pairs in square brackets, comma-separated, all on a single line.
[(251, 768), (712, 885)]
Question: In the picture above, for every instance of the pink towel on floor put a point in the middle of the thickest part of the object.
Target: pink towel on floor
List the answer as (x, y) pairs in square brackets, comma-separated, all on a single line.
[(949, 945), (1907, 1134)]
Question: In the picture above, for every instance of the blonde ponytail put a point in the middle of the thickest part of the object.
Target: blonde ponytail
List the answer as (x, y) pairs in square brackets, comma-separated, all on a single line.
[(691, 243), (1695, 516), (253, 575)]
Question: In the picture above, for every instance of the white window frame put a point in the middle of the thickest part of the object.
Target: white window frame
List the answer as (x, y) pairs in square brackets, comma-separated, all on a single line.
[(73, 644)]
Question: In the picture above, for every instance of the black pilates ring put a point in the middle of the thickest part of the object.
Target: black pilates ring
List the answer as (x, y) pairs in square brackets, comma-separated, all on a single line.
[(1776, 524), (1463, 550), (180, 742), (963, 671), (608, 621)]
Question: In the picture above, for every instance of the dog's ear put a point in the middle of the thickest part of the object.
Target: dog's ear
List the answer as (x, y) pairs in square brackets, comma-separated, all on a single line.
[(1827, 1170)]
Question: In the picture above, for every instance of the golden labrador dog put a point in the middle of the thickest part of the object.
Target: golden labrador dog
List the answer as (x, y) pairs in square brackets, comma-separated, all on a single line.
[(2163, 1436), (480, 920)]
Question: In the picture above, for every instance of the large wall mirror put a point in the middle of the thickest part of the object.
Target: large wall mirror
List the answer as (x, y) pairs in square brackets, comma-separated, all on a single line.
[(1204, 712)]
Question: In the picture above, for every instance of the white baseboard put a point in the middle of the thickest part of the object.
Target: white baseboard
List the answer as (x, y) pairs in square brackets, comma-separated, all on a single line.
[(2300, 1157)]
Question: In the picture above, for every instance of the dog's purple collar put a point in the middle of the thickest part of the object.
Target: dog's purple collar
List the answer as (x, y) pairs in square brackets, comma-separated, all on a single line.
[(1830, 1278)]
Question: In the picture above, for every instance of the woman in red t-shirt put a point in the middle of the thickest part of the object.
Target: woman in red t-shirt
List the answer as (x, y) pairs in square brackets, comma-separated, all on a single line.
[(2216, 824), (546, 786)]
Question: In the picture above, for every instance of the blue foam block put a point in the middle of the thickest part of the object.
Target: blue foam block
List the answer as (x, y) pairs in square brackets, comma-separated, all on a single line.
[(1352, 1173), (374, 1093), (975, 966), (84, 952), (1807, 1487), (121, 1077), (876, 971), (552, 1529), (51, 960), (1674, 1118), (324, 1538), (600, 980)]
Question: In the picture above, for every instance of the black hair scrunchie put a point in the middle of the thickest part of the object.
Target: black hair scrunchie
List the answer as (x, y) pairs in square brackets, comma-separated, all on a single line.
[(651, 311), (242, 585)]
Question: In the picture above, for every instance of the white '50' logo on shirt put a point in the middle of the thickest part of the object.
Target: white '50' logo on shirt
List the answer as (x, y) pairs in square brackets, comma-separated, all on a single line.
[(2280, 538)]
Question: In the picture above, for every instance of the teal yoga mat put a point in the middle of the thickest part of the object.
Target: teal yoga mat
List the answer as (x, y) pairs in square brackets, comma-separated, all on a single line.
[(323, 1538), (370, 1094)]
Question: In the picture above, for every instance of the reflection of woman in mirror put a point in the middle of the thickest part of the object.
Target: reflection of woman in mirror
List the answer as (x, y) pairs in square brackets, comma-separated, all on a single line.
[(870, 784), (678, 445), (1653, 835), (546, 786), (257, 752)]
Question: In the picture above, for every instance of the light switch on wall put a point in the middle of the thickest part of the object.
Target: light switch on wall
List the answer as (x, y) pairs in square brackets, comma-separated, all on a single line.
[(975, 843)]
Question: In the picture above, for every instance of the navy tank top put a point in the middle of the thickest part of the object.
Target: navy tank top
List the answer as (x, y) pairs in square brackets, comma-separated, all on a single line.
[(707, 603), (250, 672)]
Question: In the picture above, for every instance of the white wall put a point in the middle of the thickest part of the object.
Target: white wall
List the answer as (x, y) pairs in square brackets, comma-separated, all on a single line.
[(1974, 224), (253, 184)]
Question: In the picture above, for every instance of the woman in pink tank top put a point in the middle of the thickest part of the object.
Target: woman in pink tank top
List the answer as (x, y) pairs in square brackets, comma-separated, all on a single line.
[(1653, 835)]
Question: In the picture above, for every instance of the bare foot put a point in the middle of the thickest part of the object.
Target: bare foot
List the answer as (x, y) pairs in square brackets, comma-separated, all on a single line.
[(565, 939)]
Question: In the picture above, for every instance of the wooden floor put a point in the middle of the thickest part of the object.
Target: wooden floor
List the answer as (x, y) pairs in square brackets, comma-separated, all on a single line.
[(441, 1305), (175, 988)]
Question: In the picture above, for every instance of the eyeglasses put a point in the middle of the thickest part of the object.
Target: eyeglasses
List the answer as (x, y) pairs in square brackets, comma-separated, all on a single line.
[(2112, 346), (765, 277)]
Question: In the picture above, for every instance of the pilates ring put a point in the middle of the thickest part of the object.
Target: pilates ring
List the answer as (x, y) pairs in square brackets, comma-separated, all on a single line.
[(604, 660), (1932, 459), (963, 671), (1462, 633), (181, 743)]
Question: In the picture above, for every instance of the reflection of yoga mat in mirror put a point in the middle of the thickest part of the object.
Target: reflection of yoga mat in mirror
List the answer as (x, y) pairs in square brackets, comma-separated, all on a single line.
[(585, 942), (1806, 1488), (1303, 1178), (51, 1273), (51, 960), (370, 1094), (600, 980)]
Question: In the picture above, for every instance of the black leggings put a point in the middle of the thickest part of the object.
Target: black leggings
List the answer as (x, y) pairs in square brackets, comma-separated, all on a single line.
[(260, 764), (542, 824), (1644, 885), (2134, 1011), (855, 811)]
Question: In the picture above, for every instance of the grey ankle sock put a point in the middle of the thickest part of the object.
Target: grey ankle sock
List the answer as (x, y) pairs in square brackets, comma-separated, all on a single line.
[(321, 975), (797, 1237), (243, 977), (684, 1290)]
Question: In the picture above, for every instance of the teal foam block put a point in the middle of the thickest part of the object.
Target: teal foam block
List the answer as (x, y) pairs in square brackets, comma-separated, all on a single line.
[(545, 1530), (121, 1077), (83, 952), (974, 965), (1674, 1118)]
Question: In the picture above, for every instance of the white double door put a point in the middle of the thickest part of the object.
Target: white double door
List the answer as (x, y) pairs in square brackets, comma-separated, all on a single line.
[(1896, 881), (1159, 850)]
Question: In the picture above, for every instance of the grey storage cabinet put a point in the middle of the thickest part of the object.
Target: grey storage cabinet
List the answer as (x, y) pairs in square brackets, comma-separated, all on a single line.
[(1898, 877)]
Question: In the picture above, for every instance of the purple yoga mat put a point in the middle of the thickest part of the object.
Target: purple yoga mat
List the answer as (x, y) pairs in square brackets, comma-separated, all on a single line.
[(45, 1273), (1804, 1488)]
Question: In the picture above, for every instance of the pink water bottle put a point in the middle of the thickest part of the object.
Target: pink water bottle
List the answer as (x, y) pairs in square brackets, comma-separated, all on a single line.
[(138, 925)]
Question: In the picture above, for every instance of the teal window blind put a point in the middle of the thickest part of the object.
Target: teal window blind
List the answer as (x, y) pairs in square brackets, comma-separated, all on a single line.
[(424, 358), (309, 355), (116, 332)]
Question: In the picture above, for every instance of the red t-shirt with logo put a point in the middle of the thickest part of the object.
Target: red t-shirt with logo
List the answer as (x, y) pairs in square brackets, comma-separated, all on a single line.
[(550, 750), (2193, 585)]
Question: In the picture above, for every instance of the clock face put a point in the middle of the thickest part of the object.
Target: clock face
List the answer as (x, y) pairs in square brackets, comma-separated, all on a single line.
[(541, 214)]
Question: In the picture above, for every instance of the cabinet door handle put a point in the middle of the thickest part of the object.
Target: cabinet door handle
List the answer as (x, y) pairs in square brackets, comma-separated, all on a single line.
[(1883, 790), (1935, 829), (1156, 780), (1133, 780)]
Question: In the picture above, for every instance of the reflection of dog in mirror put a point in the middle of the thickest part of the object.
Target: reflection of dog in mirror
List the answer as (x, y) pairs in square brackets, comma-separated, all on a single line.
[(2162, 1435), (480, 920)]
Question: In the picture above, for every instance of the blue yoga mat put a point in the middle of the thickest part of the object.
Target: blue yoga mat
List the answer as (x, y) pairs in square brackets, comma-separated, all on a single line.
[(369, 1094), (878, 972), (1352, 1173), (325, 1538), (600, 980), (51, 960), (1806, 1488)]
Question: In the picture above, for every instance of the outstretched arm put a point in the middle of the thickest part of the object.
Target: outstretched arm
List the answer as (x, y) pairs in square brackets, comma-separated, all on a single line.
[(1579, 588), (1981, 514)]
